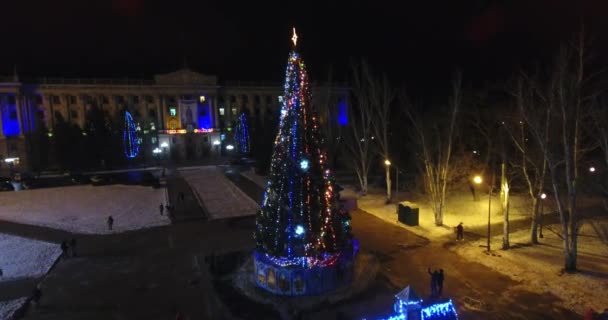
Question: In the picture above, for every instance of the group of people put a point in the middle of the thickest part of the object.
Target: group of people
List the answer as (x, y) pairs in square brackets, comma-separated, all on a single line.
[(68, 248), (436, 282)]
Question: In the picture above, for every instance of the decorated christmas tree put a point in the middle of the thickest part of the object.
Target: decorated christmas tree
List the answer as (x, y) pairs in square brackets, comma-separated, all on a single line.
[(241, 134), (130, 139), (300, 223)]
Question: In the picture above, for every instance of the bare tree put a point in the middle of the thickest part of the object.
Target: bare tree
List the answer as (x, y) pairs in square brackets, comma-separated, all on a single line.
[(328, 120), (533, 164), (358, 136), (435, 149), (565, 106), (381, 97)]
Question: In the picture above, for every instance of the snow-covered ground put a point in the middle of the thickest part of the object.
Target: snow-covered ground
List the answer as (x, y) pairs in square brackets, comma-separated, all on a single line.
[(460, 207), (255, 178), (8, 308), (218, 195), (85, 209), (24, 258), (538, 268)]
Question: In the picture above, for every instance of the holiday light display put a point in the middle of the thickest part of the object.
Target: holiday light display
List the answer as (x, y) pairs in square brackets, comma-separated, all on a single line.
[(241, 134), (130, 140), (437, 311), (300, 229)]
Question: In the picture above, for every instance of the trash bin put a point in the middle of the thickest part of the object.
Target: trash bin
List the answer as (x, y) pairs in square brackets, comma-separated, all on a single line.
[(408, 215)]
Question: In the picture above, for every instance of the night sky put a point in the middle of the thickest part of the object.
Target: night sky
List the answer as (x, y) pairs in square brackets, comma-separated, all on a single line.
[(418, 42)]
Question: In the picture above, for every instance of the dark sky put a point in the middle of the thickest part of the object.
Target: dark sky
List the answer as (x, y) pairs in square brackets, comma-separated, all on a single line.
[(417, 42)]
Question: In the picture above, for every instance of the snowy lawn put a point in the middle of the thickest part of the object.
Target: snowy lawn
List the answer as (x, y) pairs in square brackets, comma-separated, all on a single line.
[(460, 207), (24, 258), (8, 308), (218, 195), (255, 178), (538, 268), (85, 209)]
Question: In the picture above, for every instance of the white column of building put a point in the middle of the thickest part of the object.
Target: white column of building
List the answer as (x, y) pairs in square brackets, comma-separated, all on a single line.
[(161, 113), (49, 118), (1, 130), (19, 113)]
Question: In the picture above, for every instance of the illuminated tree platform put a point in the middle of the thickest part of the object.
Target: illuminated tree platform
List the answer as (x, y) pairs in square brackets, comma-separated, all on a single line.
[(363, 272), (304, 276)]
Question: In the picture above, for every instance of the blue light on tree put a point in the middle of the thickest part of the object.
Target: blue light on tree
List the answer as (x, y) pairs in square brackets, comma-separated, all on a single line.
[(304, 164), (129, 139)]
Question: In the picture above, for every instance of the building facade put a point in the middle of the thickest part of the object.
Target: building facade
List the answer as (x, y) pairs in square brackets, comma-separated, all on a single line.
[(191, 114)]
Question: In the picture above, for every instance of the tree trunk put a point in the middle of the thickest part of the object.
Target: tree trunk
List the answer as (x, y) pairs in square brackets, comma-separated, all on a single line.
[(388, 183), (535, 218)]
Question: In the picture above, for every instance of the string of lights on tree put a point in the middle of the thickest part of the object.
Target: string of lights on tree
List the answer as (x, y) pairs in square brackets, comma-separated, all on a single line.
[(300, 222), (130, 138), (241, 134)]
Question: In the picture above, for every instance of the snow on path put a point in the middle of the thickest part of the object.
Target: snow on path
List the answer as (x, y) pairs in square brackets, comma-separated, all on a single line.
[(9, 307), (85, 209), (25, 258), (218, 195), (538, 268), (255, 178)]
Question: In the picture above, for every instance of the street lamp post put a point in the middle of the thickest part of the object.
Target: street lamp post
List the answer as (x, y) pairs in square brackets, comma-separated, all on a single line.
[(490, 208), (542, 198), (387, 163)]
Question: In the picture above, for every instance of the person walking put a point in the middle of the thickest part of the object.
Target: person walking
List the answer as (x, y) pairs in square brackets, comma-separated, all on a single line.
[(110, 222), (460, 232), (433, 282), (64, 248), (161, 208), (73, 247), (440, 278)]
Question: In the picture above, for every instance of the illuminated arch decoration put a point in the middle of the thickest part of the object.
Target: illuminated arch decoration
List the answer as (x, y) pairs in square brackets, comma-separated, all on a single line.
[(241, 134), (130, 139)]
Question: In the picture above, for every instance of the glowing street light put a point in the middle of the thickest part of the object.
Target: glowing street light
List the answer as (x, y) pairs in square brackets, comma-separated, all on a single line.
[(387, 162), (229, 147), (591, 169), (477, 180), (543, 196)]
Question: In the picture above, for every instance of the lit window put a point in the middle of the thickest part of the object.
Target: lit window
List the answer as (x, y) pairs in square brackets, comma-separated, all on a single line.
[(234, 111), (221, 111), (280, 98), (173, 112), (201, 99)]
